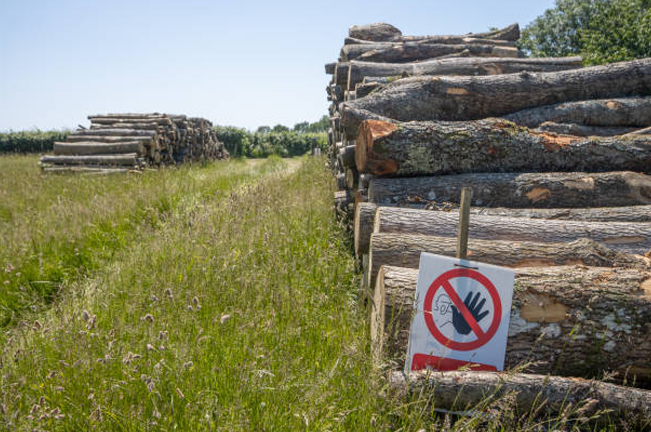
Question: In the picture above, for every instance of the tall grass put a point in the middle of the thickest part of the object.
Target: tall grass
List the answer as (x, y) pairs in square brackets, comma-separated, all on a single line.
[(233, 308)]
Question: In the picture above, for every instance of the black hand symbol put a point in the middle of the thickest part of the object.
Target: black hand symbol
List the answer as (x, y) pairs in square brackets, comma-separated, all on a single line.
[(459, 322)]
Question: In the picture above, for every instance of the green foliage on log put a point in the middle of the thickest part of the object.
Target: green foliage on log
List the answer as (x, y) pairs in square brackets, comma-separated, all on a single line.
[(602, 31)]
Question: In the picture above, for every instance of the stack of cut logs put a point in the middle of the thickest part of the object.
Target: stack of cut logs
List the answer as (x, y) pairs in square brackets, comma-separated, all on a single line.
[(556, 156), (121, 142)]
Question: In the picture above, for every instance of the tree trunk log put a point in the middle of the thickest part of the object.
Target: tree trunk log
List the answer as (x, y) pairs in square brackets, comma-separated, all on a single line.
[(91, 148), (623, 236), (630, 111), (469, 98), (406, 52), (596, 214), (363, 227), (108, 139), (128, 159), (351, 179), (354, 72), (567, 320), (341, 181), (537, 190), (387, 32), (374, 32), (347, 156), (490, 145), (583, 130), (115, 132), (533, 396), (403, 250)]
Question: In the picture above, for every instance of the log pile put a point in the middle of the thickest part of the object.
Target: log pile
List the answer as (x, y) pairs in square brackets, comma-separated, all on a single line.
[(122, 142), (558, 157)]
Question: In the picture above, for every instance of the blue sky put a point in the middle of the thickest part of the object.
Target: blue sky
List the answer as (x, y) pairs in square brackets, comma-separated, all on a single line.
[(242, 63)]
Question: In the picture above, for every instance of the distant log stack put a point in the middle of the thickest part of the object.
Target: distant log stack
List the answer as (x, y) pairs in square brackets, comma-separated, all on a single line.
[(122, 142), (558, 157)]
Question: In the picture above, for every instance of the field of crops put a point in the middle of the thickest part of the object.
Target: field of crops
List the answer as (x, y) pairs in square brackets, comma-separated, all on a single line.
[(214, 297)]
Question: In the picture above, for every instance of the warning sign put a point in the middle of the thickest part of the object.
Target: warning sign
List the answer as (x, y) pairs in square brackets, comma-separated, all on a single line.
[(462, 315)]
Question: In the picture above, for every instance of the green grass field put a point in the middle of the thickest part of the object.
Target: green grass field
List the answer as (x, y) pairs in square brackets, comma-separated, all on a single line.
[(216, 297)]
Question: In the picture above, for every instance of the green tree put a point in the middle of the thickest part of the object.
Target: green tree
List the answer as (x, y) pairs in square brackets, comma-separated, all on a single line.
[(619, 30), (601, 31), (280, 128), (301, 127), (263, 129)]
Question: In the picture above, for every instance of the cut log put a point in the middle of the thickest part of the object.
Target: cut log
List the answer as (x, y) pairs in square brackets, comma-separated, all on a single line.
[(354, 72), (627, 237), (330, 68), (490, 145), (90, 148), (341, 181), (343, 204), (363, 227), (90, 169), (452, 40), (374, 32), (535, 190), (638, 213), (468, 98), (529, 395), (644, 131), (347, 156), (129, 159), (351, 179), (114, 132), (641, 213), (567, 320), (108, 139), (387, 32), (583, 130), (403, 250), (406, 52), (630, 111)]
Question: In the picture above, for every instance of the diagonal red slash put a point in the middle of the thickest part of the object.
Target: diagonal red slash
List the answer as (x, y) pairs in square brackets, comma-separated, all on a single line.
[(474, 325)]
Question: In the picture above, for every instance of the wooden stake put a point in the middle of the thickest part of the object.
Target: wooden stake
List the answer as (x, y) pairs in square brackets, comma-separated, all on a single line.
[(464, 221)]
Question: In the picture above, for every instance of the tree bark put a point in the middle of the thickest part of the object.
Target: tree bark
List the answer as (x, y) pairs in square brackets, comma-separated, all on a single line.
[(529, 395), (623, 236), (354, 72), (469, 98), (533, 190), (129, 159), (114, 132), (363, 227), (490, 145), (109, 139), (90, 148), (374, 32), (629, 111), (406, 52), (387, 32), (403, 250), (347, 156), (567, 320), (341, 181), (583, 130), (640, 213), (351, 179)]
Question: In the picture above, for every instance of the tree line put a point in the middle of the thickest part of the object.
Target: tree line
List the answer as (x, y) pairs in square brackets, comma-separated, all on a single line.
[(277, 140), (264, 141)]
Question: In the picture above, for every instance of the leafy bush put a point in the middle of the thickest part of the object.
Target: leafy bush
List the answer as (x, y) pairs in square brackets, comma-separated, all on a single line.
[(30, 141), (284, 143), (601, 31)]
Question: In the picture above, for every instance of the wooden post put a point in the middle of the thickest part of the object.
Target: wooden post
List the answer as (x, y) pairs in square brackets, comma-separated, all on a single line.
[(464, 221)]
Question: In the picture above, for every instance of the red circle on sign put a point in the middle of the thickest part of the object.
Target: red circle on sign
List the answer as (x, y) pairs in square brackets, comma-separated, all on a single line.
[(444, 279)]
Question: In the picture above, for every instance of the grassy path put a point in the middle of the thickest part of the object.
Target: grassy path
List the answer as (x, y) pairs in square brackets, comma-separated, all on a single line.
[(209, 298)]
